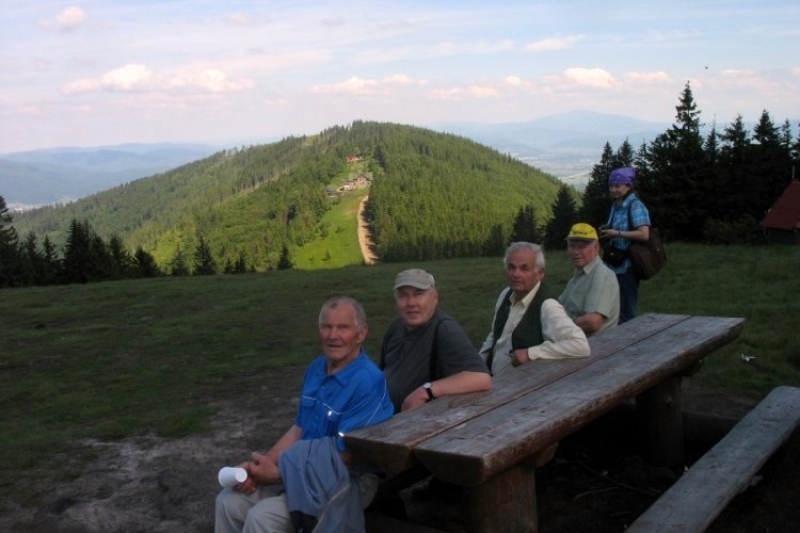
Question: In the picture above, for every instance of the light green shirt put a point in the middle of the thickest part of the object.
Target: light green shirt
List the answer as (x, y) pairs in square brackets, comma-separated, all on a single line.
[(593, 289)]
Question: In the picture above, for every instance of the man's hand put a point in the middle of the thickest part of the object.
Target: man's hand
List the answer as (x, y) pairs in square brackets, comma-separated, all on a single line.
[(417, 397), (264, 470), (519, 357), (248, 486)]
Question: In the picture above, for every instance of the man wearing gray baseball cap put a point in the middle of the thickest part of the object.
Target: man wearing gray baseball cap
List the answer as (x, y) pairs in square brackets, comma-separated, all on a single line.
[(425, 353)]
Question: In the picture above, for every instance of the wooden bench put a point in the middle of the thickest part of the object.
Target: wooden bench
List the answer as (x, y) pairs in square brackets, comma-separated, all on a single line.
[(697, 498), (491, 442)]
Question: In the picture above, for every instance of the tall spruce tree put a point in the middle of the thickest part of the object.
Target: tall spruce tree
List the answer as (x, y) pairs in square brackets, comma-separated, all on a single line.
[(204, 264), (773, 165), (78, 264), (9, 249), (121, 262), (32, 261), (596, 202), (735, 165), (178, 267), (565, 214), (51, 262), (525, 227), (678, 175), (145, 264)]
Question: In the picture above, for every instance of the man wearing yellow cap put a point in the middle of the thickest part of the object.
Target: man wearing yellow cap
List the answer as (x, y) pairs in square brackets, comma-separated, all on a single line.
[(591, 297)]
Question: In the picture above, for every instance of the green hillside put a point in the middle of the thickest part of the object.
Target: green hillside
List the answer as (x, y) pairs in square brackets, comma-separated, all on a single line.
[(432, 196)]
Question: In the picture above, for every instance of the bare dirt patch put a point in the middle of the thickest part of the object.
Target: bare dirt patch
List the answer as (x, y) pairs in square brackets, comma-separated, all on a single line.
[(151, 484), (364, 235)]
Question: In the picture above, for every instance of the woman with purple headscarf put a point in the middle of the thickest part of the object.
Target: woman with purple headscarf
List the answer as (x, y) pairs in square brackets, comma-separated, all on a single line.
[(628, 221)]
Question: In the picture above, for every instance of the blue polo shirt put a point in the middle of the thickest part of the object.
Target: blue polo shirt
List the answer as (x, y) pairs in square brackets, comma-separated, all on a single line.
[(352, 398)]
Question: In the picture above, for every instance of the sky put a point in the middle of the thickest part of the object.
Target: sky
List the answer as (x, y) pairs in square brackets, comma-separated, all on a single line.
[(104, 72)]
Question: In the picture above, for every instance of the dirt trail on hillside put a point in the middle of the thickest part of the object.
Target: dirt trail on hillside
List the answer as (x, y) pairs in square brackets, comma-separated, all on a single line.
[(364, 236)]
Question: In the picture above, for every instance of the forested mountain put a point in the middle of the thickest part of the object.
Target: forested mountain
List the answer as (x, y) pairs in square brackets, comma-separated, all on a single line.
[(433, 195)]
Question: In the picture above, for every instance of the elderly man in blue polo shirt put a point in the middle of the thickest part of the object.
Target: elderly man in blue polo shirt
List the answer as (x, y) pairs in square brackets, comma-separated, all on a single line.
[(591, 297), (343, 390)]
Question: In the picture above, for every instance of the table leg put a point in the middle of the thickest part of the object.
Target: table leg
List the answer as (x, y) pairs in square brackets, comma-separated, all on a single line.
[(661, 422), (506, 503)]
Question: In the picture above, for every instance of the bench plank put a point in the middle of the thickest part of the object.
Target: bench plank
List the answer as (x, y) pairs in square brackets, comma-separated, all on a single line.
[(697, 498), (389, 445), (486, 445)]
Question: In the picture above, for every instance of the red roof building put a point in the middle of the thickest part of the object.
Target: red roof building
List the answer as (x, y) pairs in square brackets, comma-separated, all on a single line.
[(782, 222)]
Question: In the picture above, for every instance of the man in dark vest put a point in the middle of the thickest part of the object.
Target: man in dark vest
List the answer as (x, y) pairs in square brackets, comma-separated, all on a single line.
[(529, 323)]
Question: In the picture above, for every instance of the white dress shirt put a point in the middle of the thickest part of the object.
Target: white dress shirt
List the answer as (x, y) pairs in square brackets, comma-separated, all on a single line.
[(562, 337)]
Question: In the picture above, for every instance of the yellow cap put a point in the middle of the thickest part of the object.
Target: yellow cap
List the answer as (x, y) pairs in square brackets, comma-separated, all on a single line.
[(582, 232)]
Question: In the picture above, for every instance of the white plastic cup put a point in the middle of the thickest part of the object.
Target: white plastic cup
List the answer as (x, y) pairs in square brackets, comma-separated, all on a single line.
[(230, 476)]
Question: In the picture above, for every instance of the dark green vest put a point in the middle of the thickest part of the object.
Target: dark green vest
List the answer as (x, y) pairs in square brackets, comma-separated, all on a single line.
[(529, 330)]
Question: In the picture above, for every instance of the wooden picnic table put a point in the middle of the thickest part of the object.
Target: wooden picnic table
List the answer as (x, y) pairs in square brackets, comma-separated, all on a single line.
[(491, 442)]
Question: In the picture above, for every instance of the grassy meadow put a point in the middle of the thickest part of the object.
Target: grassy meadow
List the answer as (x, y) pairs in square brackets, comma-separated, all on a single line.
[(110, 360), (339, 246)]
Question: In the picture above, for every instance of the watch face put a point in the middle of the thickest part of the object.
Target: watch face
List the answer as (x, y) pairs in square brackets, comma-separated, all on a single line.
[(429, 389)]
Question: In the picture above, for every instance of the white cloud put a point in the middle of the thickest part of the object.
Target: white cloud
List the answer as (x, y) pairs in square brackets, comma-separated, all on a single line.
[(464, 93), (70, 18), (731, 73), (648, 77), (212, 80), (554, 43), (83, 85), (67, 20), (367, 87), (593, 77), (355, 86), (516, 82), (245, 19), (482, 91), (136, 77), (127, 78)]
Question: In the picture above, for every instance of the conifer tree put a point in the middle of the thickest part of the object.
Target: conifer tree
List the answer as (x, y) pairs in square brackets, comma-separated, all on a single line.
[(773, 165), (496, 243), (50, 261), (565, 214), (240, 267), (32, 261), (285, 262), (145, 264), (596, 202), (9, 249), (78, 265), (678, 174), (525, 227), (735, 167), (120, 262), (178, 267), (204, 264)]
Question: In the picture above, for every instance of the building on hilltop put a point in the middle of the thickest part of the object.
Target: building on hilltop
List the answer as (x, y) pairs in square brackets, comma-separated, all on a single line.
[(782, 223), (358, 181)]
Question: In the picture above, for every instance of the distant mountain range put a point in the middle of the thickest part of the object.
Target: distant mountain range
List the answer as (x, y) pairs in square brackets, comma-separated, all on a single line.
[(565, 145), (52, 175)]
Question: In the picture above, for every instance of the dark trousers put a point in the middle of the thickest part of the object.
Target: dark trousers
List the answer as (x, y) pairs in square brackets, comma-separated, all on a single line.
[(628, 295)]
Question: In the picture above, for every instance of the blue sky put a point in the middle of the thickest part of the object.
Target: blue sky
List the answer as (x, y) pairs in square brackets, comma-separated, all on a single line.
[(102, 72)]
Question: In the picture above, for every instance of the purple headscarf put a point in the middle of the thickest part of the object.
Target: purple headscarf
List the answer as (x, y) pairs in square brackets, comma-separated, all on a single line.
[(622, 176)]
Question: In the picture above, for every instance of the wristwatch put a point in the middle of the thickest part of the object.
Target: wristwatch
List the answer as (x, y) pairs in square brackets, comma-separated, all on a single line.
[(429, 389)]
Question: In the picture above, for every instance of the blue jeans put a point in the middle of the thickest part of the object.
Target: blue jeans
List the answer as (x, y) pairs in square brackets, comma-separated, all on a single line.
[(628, 295)]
